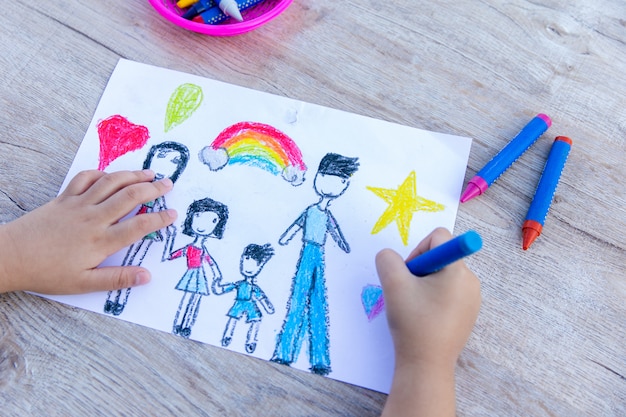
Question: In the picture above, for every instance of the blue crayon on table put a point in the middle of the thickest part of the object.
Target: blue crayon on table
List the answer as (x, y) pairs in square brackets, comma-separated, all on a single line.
[(538, 210), (215, 15), (198, 7), (505, 158), (453, 250)]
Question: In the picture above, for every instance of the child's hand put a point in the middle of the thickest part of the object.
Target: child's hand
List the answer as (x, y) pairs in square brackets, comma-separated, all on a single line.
[(56, 248), (430, 319)]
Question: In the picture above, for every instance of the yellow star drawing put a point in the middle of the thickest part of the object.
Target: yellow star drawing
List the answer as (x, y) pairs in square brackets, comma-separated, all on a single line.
[(403, 202)]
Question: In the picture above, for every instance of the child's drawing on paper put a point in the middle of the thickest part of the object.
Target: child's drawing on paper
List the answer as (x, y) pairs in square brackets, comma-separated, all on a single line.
[(307, 308), (403, 202), (205, 218), (259, 145), (183, 102), (373, 301), (275, 300), (167, 160), (249, 295), (119, 136)]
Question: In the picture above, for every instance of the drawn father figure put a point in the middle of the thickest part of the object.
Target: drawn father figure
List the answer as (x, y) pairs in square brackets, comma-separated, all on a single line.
[(307, 308)]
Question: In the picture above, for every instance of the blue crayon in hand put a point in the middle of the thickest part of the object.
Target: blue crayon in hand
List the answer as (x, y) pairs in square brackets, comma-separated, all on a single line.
[(538, 210), (505, 158), (453, 250)]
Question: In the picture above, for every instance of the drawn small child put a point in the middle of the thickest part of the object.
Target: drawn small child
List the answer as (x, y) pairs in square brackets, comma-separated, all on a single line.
[(249, 294)]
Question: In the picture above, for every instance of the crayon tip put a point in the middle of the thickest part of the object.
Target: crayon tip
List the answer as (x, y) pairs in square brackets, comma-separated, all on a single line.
[(530, 231), (230, 8), (563, 139), (528, 237), (470, 192), (545, 118), (470, 242), (474, 188)]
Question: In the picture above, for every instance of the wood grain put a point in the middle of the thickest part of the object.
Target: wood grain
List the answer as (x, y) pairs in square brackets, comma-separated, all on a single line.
[(550, 339)]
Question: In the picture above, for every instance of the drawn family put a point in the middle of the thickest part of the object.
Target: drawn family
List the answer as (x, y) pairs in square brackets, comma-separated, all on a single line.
[(307, 311)]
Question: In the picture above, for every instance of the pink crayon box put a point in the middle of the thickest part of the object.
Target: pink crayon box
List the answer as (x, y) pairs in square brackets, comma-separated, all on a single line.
[(253, 17)]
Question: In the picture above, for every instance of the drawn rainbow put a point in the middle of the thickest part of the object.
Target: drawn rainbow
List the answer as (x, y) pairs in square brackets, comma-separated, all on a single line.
[(259, 145)]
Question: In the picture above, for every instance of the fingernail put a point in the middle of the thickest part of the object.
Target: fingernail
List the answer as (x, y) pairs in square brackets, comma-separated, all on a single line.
[(173, 214), (142, 277), (148, 173), (168, 182)]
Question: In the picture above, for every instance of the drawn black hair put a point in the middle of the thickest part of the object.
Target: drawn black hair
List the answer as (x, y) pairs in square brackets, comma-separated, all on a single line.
[(204, 205), (168, 147), (260, 253), (335, 164)]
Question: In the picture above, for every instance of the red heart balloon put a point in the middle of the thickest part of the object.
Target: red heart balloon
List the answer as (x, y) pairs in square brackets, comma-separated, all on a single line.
[(119, 136)]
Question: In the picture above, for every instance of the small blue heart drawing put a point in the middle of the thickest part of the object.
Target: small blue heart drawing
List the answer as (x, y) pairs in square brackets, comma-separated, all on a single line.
[(373, 301)]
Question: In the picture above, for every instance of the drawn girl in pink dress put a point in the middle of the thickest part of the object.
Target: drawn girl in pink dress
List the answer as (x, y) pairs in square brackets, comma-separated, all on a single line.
[(167, 160), (205, 218)]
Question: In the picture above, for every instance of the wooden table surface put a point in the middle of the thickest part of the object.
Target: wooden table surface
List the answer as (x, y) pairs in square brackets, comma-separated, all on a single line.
[(551, 336)]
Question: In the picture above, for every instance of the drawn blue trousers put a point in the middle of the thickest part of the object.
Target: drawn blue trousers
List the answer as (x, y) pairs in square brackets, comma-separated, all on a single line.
[(307, 311)]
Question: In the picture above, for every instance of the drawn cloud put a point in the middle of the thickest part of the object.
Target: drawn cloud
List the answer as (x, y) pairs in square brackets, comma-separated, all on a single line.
[(215, 159)]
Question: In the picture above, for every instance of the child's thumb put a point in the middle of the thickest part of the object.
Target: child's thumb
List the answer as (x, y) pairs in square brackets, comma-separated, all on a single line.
[(116, 278)]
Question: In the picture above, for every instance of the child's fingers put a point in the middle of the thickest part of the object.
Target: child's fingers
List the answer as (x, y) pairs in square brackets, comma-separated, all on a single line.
[(131, 230), (82, 182), (400, 288), (114, 278), (391, 270), (110, 184), (126, 199), (435, 238)]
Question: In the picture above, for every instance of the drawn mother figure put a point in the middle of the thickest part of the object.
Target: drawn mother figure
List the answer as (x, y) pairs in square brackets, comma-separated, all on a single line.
[(167, 160), (205, 219)]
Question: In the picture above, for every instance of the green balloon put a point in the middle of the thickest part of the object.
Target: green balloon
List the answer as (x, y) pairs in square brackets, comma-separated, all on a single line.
[(183, 102)]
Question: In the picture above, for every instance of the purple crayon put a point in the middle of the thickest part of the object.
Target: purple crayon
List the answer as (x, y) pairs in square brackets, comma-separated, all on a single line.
[(505, 158)]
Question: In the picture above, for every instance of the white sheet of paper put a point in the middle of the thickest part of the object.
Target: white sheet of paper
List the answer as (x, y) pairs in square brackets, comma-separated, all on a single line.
[(262, 206)]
